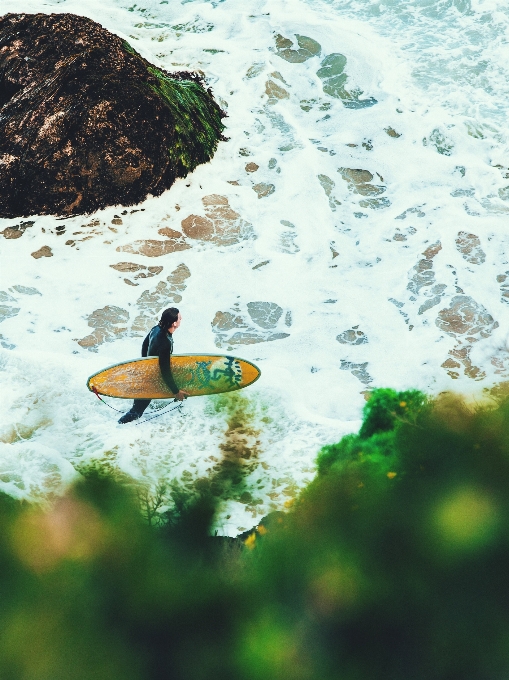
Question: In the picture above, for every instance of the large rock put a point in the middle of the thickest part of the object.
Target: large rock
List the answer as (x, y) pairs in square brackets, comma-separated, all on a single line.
[(86, 122)]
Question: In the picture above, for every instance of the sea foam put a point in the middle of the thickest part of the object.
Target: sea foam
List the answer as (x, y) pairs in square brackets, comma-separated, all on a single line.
[(350, 234)]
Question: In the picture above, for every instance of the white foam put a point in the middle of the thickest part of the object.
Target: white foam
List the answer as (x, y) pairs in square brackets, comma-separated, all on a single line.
[(32, 471), (438, 74)]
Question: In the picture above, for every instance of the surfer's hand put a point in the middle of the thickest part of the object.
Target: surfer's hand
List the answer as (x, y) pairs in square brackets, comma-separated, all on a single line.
[(181, 395)]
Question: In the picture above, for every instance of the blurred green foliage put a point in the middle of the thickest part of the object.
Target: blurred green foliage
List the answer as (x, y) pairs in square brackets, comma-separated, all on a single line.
[(392, 564)]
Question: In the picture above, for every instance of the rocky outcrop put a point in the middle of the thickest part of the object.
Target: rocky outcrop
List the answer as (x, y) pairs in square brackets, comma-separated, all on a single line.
[(86, 122)]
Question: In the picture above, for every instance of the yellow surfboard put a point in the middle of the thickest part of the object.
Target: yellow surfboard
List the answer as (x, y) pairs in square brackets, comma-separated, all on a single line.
[(197, 374)]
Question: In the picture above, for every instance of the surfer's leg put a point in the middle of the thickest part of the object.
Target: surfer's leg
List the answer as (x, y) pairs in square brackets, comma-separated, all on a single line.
[(138, 407)]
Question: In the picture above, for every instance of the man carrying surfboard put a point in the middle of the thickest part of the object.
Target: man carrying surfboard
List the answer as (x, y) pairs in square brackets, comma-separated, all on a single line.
[(159, 343)]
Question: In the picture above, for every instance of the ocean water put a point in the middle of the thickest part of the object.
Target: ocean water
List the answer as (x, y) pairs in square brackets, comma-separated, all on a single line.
[(351, 234)]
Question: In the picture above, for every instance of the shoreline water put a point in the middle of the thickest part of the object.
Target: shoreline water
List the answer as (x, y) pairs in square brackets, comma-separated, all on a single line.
[(376, 233)]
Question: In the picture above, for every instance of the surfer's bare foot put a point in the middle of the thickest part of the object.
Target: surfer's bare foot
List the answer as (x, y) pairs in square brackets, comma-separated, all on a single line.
[(127, 417)]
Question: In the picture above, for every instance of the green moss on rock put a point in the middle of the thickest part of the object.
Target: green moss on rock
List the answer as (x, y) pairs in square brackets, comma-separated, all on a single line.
[(198, 124)]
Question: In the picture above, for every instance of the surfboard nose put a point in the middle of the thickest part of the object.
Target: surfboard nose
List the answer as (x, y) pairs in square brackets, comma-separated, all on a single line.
[(250, 373)]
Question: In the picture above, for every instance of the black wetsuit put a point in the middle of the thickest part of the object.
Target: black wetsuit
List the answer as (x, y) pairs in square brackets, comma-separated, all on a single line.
[(158, 343)]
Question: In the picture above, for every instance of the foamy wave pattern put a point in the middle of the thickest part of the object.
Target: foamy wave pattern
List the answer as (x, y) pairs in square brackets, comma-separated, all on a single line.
[(352, 233)]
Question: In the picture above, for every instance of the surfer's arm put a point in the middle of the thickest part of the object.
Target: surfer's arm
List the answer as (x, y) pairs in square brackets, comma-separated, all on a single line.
[(144, 347), (164, 365)]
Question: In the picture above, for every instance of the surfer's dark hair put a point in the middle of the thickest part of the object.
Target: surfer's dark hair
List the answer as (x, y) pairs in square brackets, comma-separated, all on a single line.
[(168, 318)]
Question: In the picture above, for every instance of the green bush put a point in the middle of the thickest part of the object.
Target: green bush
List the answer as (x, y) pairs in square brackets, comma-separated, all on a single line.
[(392, 563)]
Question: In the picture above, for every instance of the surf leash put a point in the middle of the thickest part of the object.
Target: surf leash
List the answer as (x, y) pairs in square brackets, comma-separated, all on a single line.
[(178, 406), (94, 390), (145, 420)]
